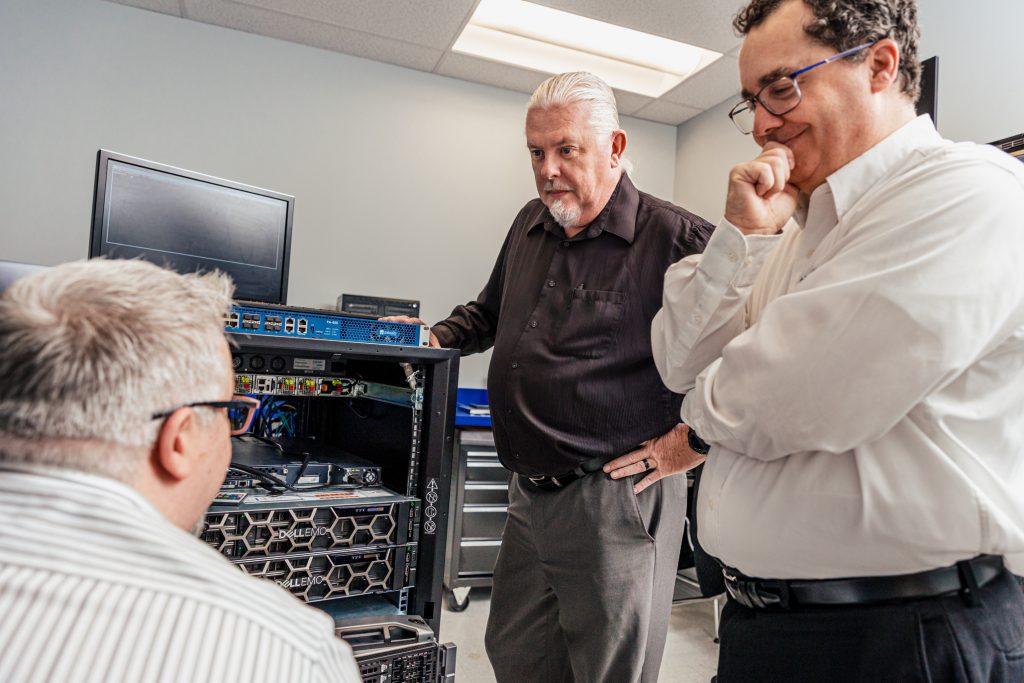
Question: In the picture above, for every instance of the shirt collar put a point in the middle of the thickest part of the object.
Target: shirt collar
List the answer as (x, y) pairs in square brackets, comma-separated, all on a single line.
[(849, 183), (618, 216)]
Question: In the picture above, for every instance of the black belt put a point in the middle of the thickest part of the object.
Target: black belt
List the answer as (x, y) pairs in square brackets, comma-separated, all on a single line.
[(965, 576), (547, 483)]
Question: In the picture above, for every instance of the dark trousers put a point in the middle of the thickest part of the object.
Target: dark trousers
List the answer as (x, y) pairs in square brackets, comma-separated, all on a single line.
[(940, 640), (583, 583)]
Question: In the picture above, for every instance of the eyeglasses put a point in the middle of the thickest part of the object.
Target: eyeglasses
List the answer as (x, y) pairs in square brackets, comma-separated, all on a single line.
[(782, 95), (241, 410)]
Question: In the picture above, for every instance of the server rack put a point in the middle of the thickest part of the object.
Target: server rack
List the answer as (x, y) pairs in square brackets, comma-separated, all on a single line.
[(390, 405)]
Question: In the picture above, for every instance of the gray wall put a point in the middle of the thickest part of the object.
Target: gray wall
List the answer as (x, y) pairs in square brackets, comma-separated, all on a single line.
[(980, 97), (405, 182)]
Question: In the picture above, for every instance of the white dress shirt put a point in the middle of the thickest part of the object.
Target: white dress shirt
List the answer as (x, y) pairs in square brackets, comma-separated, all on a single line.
[(96, 585), (861, 376)]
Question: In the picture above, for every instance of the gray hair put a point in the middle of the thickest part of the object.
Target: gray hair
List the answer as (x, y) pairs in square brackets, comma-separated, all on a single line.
[(90, 350), (574, 87)]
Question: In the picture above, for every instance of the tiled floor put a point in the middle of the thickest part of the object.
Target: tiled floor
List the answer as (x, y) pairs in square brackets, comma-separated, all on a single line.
[(690, 651)]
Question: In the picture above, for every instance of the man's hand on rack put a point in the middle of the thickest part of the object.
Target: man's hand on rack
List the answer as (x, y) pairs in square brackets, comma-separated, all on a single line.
[(434, 344), (660, 457)]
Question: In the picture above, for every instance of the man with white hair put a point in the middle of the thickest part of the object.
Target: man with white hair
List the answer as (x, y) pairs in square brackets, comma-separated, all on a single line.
[(583, 582), (115, 407)]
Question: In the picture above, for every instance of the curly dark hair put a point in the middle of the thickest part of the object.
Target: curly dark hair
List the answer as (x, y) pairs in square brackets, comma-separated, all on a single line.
[(843, 24)]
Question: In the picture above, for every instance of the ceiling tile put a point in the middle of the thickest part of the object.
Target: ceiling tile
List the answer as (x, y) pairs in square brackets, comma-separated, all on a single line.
[(704, 23), (431, 24), (667, 112), (629, 102), (713, 84), (517, 78), (172, 7), (490, 73), (312, 33)]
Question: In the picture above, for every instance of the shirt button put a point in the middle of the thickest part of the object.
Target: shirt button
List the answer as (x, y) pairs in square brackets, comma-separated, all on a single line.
[(565, 243), (533, 323), (551, 283), (733, 257), (515, 365), (697, 318), (516, 455)]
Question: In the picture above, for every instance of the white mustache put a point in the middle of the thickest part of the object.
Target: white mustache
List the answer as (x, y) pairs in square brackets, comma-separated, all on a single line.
[(550, 186)]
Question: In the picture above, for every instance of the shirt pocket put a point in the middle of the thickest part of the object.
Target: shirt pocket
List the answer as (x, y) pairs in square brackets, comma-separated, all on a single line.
[(590, 323)]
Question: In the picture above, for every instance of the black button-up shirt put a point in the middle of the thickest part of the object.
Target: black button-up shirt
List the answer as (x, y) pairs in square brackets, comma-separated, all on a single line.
[(571, 376)]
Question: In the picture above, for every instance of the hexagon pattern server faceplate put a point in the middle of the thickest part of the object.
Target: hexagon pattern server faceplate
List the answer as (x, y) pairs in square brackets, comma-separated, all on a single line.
[(325, 576)]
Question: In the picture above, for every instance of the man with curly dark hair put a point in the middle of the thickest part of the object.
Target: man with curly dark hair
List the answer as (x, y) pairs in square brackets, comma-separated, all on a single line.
[(851, 343)]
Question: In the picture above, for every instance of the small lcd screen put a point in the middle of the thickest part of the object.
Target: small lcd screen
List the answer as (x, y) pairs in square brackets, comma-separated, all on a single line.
[(189, 222)]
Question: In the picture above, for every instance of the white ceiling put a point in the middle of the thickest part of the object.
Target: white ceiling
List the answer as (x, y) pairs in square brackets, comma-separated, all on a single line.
[(418, 34)]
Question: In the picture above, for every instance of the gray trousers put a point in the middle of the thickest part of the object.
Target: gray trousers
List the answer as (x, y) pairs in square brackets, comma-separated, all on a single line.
[(583, 583)]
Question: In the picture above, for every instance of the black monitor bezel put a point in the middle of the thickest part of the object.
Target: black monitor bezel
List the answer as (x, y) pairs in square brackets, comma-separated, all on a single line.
[(103, 159), (928, 101)]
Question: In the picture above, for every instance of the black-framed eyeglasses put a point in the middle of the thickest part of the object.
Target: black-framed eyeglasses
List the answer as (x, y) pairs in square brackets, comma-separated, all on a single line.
[(241, 410), (782, 95)]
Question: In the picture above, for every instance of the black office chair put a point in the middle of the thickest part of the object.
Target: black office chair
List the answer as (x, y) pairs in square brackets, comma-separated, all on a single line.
[(699, 576)]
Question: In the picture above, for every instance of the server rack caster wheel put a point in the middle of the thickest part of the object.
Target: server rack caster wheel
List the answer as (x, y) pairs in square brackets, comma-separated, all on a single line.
[(458, 599)]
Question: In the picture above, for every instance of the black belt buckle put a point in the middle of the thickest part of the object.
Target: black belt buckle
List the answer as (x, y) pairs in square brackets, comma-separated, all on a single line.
[(757, 594), (546, 483)]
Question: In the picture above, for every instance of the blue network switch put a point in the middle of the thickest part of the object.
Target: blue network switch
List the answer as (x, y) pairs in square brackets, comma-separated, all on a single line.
[(306, 323)]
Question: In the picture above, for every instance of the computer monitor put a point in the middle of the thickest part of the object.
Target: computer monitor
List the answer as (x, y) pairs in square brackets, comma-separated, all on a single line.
[(929, 101), (14, 270), (192, 222)]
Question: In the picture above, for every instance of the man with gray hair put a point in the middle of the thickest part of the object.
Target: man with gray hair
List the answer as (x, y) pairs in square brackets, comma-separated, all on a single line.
[(583, 582), (115, 411)]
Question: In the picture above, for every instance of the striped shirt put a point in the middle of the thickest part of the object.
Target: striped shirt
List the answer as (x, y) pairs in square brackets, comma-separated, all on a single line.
[(96, 585)]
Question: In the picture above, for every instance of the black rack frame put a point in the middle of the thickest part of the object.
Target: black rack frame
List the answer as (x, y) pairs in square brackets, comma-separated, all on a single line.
[(436, 436)]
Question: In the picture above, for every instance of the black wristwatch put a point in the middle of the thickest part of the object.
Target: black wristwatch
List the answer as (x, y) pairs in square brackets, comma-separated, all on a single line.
[(698, 444)]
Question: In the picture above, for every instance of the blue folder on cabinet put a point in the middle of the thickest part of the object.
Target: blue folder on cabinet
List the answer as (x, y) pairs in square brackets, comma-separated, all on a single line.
[(471, 408)]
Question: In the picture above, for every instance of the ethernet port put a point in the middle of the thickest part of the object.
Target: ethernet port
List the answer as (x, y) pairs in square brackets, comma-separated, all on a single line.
[(302, 326), (265, 385), (289, 325)]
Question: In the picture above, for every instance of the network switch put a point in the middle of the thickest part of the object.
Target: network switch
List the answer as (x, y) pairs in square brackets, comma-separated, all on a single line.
[(280, 321)]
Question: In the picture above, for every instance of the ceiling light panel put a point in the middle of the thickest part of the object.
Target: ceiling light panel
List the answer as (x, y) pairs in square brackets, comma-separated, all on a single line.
[(552, 41)]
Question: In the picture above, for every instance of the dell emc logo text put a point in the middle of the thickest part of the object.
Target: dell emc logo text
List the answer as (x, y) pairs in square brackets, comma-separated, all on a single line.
[(305, 532)]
